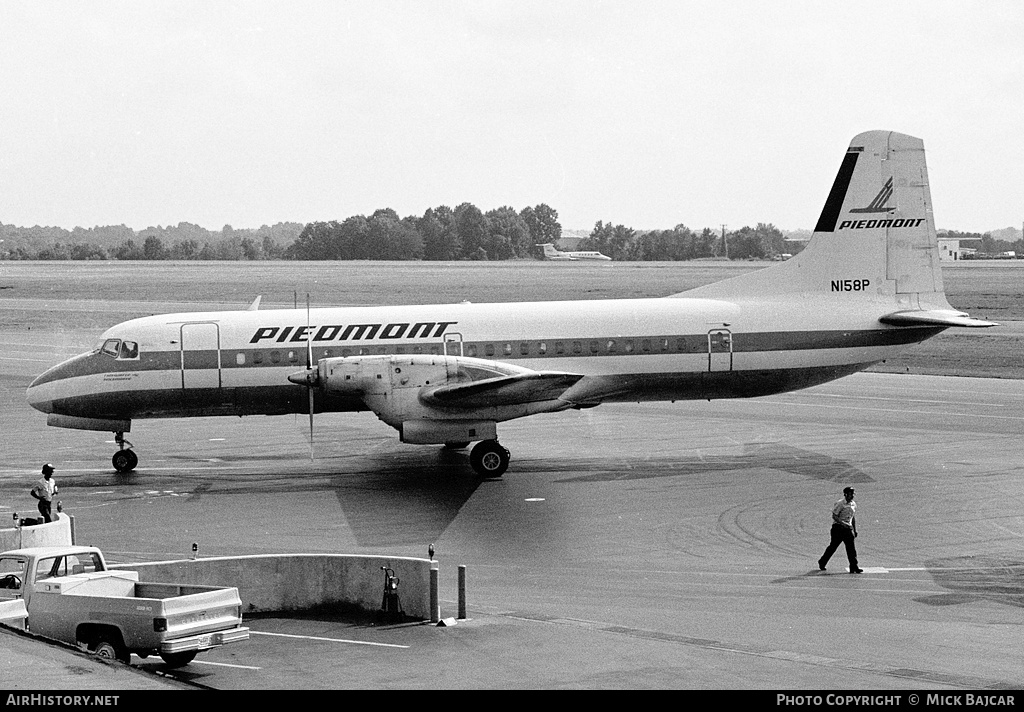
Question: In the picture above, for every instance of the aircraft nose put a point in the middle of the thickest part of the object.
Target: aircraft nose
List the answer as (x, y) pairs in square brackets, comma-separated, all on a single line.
[(46, 388), (39, 394)]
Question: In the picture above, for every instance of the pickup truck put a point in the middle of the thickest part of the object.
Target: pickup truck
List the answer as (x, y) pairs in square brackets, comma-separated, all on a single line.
[(71, 596)]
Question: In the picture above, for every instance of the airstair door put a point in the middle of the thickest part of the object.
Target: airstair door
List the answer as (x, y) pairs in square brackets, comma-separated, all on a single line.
[(200, 355), (719, 350)]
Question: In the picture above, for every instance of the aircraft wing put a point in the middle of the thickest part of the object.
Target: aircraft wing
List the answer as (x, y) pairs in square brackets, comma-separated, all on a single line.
[(532, 387), (933, 317)]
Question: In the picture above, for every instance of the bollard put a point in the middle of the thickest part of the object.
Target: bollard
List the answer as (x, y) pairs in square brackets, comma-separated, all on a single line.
[(462, 591), (435, 607)]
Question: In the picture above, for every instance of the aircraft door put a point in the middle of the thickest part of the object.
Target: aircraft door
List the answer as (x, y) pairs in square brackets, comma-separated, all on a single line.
[(453, 344), (719, 350), (200, 355)]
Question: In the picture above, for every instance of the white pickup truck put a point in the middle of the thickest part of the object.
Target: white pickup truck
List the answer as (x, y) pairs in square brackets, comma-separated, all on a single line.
[(70, 596)]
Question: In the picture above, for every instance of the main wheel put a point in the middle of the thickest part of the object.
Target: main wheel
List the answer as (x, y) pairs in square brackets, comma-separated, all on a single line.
[(124, 461), (489, 459), (177, 660)]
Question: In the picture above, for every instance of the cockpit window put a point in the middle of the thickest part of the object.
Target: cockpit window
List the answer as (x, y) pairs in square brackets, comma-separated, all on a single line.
[(121, 350), (111, 346)]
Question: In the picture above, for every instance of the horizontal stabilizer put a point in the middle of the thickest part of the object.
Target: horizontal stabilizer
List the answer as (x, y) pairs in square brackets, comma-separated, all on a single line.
[(534, 387), (933, 317)]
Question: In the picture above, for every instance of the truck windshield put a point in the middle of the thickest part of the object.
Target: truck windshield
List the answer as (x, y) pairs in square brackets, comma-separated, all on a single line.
[(83, 563)]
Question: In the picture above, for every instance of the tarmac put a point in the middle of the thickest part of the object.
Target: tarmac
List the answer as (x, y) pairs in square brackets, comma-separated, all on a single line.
[(650, 546), (31, 664)]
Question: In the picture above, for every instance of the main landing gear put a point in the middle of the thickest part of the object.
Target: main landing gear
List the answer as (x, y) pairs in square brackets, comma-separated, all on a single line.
[(124, 460), (489, 459)]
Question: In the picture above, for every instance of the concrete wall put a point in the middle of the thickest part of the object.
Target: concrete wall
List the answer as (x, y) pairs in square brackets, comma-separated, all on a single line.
[(58, 533), (295, 582)]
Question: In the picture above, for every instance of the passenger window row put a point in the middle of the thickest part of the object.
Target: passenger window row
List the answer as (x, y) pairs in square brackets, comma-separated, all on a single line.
[(507, 349)]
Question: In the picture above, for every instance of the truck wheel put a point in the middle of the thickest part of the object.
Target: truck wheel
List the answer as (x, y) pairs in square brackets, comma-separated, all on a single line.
[(177, 660), (111, 651)]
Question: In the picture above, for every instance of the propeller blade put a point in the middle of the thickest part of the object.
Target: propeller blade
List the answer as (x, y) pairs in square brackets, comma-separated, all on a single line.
[(309, 386)]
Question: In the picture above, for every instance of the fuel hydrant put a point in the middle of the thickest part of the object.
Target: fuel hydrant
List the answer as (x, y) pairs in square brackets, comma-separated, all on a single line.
[(391, 605)]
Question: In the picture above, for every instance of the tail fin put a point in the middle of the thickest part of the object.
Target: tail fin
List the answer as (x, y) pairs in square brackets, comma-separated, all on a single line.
[(875, 235)]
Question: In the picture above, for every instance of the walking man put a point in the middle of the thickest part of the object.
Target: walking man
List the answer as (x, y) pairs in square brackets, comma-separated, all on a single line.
[(44, 491), (844, 529)]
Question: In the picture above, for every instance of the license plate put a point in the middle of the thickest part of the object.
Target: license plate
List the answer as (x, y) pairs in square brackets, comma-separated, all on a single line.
[(206, 641)]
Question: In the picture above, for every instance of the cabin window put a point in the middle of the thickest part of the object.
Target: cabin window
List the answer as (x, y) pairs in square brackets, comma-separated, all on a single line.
[(240, 358), (129, 350), (489, 349), (559, 347), (507, 348), (275, 357), (524, 348), (594, 347), (293, 356), (611, 346), (664, 344), (628, 346), (577, 347), (542, 348), (257, 357), (111, 347), (471, 350), (645, 345)]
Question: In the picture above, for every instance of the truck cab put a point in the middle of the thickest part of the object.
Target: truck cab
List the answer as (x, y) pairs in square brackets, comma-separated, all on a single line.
[(22, 569)]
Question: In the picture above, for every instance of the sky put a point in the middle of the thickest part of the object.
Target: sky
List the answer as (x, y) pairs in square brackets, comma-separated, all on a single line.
[(646, 114)]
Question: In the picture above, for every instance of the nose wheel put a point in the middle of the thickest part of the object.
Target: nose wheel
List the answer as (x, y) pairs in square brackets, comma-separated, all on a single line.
[(125, 459), (489, 459)]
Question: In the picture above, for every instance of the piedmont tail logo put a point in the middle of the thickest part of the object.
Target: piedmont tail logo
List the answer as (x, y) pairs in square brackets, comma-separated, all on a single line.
[(878, 205)]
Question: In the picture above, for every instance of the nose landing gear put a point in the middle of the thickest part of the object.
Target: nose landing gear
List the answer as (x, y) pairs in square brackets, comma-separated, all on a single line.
[(124, 460)]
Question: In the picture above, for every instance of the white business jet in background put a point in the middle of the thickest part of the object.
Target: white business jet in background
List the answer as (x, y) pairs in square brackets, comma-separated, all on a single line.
[(550, 253)]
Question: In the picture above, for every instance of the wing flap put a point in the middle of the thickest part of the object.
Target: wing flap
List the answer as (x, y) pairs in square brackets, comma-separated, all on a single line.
[(933, 317), (516, 389)]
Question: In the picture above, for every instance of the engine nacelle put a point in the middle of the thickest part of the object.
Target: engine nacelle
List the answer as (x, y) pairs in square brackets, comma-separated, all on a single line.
[(390, 386)]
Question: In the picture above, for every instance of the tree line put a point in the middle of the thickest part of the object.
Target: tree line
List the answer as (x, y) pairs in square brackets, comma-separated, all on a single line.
[(441, 233)]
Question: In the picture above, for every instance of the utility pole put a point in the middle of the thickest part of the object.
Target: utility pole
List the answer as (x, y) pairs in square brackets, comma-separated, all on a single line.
[(725, 243)]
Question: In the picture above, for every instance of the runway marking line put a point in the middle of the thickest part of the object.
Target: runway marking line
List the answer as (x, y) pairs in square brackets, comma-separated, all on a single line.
[(330, 640)]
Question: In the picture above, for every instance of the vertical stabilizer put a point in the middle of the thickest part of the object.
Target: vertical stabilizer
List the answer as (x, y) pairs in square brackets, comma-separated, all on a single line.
[(875, 235)]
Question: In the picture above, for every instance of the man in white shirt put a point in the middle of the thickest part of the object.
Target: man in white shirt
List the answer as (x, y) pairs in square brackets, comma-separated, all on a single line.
[(45, 490), (844, 529)]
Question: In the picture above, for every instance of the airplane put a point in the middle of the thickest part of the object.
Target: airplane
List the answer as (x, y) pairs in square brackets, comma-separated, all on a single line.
[(867, 285), (550, 253)]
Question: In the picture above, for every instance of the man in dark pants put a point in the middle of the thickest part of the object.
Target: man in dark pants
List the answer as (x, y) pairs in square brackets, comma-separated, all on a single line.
[(844, 529), (44, 491)]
